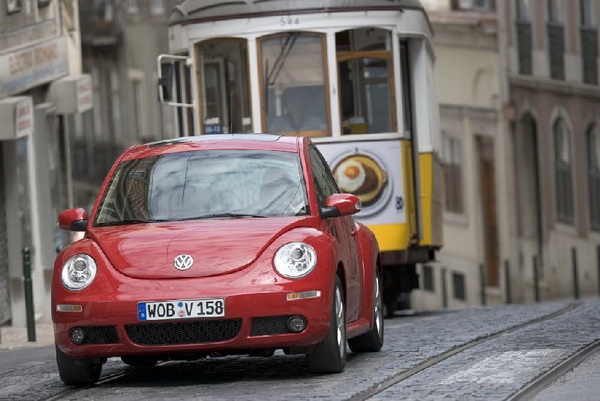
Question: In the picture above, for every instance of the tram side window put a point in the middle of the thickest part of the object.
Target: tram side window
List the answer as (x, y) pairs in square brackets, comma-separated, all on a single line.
[(293, 76), (224, 87), (366, 81)]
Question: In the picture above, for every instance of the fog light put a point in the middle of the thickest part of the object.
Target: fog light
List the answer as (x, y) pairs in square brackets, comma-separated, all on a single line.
[(77, 336), (296, 324)]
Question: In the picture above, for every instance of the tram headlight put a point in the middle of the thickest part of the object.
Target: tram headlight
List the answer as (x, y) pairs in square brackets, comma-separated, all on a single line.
[(78, 272)]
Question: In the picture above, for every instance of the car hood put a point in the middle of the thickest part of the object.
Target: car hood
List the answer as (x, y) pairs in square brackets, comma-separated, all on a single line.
[(217, 246)]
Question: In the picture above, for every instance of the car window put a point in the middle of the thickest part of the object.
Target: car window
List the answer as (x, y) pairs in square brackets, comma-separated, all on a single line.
[(324, 182), (205, 184)]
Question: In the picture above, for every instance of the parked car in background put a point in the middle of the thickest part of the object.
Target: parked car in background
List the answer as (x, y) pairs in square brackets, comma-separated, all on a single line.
[(216, 244)]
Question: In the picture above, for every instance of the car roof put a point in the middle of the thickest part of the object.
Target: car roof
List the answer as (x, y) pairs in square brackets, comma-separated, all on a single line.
[(216, 142)]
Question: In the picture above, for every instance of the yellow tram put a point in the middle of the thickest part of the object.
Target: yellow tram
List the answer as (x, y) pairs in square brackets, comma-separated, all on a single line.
[(354, 75)]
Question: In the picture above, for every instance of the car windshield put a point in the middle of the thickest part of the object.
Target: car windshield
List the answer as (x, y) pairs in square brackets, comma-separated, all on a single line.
[(202, 185)]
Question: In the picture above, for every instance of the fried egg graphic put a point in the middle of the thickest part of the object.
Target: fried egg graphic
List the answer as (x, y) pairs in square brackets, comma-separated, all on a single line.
[(361, 175), (350, 175)]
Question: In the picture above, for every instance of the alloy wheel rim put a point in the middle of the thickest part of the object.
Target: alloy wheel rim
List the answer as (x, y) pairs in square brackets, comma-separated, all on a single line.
[(378, 307), (339, 312)]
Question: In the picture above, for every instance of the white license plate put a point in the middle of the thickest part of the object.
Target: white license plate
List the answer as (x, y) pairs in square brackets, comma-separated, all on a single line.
[(182, 309)]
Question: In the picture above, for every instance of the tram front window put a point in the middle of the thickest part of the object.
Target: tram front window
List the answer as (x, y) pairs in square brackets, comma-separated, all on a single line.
[(364, 72), (294, 95), (224, 87)]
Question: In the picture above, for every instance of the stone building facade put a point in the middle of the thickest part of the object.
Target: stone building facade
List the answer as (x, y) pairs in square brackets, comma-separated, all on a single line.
[(519, 98), (42, 89)]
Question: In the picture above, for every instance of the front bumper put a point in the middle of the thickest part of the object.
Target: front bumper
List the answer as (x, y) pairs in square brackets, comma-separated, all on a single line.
[(253, 320)]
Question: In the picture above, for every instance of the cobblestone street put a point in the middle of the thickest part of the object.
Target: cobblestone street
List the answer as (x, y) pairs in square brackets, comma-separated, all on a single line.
[(476, 353)]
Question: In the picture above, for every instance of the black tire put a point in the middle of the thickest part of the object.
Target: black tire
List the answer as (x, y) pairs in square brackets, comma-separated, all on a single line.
[(372, 341), (77, 372), (139, 360), (329, 356)]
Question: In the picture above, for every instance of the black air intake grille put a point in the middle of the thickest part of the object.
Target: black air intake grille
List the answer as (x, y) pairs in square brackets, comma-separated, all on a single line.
[(100, 335), (264, 326), (184, 333)]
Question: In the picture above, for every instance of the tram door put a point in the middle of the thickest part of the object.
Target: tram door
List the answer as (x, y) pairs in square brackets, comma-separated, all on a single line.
[(529, 207), (487, 187), (224, 87)]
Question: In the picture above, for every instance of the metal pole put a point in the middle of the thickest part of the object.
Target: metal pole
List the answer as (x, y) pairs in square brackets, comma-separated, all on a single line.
[(598, 263), (482, 283), (575, 274), (536, 289), (444, 289), (28, 293), (507, 280)]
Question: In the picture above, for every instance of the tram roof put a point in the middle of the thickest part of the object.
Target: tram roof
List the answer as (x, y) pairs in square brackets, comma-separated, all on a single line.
[(188, 11)]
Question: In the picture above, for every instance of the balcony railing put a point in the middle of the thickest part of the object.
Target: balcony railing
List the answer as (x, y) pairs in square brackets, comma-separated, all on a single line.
[(100, 25)]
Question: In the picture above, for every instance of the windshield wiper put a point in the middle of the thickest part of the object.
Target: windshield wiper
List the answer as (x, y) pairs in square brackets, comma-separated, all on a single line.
[(220, 215), (127, 221)]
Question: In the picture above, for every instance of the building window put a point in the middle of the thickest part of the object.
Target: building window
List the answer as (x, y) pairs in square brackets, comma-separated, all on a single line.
[(13, 6), (459, 287), (428, 278), (473, 5), (589, 41), (43, 3), (593, 146), (453, 182), (157, 7), (556, 39), (524, 37), (524, 10), (103, 13), (588, 13), (562, 165), (133, 7), (555, 11)]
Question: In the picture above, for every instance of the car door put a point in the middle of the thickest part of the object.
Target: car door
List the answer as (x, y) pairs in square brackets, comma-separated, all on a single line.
[(343, 229)]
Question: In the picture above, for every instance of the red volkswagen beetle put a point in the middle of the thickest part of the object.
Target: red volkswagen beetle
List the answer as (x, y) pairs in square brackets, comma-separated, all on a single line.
[(217, 244)]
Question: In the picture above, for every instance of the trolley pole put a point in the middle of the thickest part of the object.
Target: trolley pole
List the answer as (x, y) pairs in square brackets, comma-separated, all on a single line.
[(28, 293), (444, 289)]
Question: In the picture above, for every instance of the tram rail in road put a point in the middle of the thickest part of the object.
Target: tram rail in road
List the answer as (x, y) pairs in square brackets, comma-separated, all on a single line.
[(507, 352)]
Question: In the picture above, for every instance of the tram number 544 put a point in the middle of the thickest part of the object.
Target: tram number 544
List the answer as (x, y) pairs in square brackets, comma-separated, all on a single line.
[(289, 21)]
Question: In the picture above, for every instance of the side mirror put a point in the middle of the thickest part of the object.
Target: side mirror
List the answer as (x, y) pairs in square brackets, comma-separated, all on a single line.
[(74, 219), (341, 205)]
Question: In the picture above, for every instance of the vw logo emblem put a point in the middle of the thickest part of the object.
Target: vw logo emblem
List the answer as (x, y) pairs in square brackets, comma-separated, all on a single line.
[(183, 262)]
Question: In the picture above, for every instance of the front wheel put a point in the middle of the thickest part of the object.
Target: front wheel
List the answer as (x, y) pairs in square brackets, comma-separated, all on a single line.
[(329, 356), (372, 341), (77, 372)]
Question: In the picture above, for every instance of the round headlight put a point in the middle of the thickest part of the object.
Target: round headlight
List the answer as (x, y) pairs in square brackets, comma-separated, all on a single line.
[(78, 272), (295, 259)]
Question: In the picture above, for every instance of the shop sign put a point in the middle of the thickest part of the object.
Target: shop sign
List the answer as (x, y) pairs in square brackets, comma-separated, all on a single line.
[(16, 114), (32, 66), (72, 94)]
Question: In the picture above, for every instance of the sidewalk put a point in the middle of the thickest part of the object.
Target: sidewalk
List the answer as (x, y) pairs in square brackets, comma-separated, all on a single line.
[(12, 338)]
